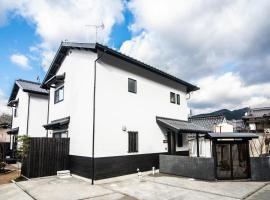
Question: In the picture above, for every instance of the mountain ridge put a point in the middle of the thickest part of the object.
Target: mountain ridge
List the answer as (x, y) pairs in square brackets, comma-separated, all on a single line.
[(229, 114)]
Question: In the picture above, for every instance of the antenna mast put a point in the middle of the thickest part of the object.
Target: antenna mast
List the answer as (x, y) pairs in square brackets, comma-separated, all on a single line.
[(101, 26)]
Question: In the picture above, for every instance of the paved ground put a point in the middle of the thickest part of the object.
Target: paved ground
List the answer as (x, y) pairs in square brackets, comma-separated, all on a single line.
[(262, 194), (131, 188), (7, 177)]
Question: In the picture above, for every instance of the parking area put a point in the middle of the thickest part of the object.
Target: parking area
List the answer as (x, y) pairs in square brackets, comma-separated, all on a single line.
[(159, 186)]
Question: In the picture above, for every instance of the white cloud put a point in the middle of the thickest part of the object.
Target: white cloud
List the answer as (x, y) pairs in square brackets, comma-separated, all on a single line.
[(3, 104), (228, 91), (57, 21), (200, 41), (21, 60)]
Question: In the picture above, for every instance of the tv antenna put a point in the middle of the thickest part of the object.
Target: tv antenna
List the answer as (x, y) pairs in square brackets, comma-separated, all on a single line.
[(38, 79), (97, 27)]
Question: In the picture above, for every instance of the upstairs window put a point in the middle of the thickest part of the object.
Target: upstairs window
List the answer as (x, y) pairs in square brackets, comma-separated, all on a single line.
[(132, 141), (172, 97), (59, 94), (178, 99), (15, 111), (132, 85)]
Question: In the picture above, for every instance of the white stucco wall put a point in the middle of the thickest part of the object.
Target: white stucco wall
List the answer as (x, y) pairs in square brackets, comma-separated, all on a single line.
[(252, 126), (21, 119), (116, 107), (224, 127), (37, 115), (78, 100), (205, 149), (185, 146)]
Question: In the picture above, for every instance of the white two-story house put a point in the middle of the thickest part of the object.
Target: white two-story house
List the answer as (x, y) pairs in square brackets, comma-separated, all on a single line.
[(29, 103), (109, 104)]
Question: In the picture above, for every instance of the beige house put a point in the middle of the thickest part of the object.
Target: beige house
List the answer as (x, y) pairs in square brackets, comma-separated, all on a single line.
[(4, 137), (5, 124)]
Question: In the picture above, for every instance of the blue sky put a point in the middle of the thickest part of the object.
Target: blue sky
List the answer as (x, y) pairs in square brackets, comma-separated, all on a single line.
[(18, 36), (223, 47)]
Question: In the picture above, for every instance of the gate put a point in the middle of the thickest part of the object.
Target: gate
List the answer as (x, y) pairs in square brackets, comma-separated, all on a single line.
[(232, 160)]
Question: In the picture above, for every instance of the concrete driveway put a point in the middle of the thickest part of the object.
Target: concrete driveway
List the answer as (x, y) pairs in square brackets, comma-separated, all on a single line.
[(130, 187)]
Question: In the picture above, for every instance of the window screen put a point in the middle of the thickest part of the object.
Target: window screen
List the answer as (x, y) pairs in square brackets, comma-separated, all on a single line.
[(132, 85), (172, 97), (132, 142), (15, 112), (59, 94), (178, 99)]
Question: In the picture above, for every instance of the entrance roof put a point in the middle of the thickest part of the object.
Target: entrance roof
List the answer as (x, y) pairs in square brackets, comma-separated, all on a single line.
[(13, 131), (248, 136), (180, 125), (57, 124)]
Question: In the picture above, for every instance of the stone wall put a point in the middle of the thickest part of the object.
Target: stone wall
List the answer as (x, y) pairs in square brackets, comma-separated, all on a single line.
[(260, 168), (199, 168)]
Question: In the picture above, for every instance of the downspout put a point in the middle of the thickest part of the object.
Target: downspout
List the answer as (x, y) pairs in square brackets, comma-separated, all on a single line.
[(48, 111), (94, 116), (11, 142), (28, 110)]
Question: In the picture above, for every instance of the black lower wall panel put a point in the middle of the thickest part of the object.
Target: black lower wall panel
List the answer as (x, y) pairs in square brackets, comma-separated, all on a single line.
[(107, 167), (80, 165)]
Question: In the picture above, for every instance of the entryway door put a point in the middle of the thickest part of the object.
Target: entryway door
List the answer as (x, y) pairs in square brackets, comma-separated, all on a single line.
[(232, 160)]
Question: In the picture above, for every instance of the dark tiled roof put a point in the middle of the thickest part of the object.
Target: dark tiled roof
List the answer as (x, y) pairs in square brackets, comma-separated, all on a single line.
[(30, 86), (57, 124), (65, 46), (258, 112), (232, 135), (13, 131), (180, 125), (27, 86), (208, 121)]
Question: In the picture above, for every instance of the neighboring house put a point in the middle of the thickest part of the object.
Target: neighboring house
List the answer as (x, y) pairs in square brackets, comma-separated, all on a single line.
[(109, 104), (257, 120), (238, 125), (214, 123), (29, 105), (4, 137), (5, 125)]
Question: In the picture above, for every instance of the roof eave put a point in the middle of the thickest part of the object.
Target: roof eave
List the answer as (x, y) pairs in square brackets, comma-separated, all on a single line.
[(189, 86), (64, 46)]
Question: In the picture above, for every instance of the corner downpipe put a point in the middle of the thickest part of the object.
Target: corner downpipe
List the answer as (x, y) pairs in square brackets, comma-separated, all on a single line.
[(94, 116), (28, 113)]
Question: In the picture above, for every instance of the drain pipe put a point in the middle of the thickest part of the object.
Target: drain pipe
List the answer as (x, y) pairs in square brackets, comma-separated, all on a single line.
[(94, 116)]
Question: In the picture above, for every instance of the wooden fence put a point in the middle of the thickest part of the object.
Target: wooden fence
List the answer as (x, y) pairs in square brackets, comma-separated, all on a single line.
[(4, 150), (46, 156)]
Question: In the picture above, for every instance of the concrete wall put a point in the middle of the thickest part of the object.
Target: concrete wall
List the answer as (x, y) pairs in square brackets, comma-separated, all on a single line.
[(260, 168), (199, 168)]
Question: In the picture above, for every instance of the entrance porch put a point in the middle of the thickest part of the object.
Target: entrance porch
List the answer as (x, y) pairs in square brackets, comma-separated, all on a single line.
[(229, 157)]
